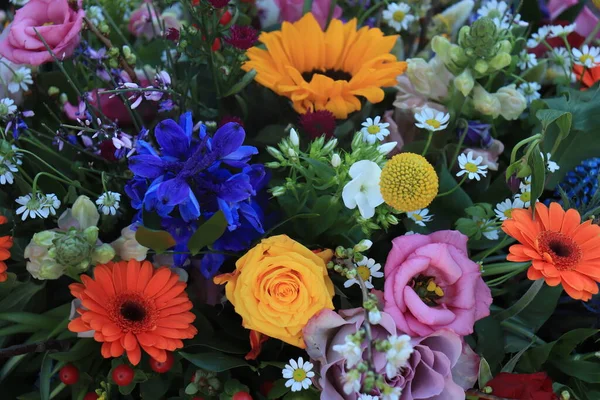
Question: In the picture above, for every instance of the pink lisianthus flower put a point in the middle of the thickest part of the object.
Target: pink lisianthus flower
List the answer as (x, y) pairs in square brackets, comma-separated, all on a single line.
[(291, 10), (145, 22), (459, 297), (54, 20)]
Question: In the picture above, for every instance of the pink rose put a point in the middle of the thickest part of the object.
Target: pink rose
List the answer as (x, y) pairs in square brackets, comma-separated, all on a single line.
[(54, 20), (291, 10), (431, 284)]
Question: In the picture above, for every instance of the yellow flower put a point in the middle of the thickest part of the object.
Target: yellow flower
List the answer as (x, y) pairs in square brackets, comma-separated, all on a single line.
[(278, 286), (408, 182), (326, 70)]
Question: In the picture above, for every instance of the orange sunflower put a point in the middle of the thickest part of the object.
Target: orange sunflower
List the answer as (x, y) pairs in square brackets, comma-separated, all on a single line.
[(6, 243), (131, 305), (326, 70), (561, 249)]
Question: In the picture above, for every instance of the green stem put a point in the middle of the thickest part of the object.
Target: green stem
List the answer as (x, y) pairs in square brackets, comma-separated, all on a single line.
[(41, 160), (482, 256), (464, 178), (501, 268), (459, 146), (513, 154), (519, 330), (429, 137)]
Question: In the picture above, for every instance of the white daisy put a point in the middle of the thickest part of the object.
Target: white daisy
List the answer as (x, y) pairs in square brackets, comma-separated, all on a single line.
[(505, 208), (298, 374), (560, 56), (350, 350), (493, 9), (397, 16), (587, 56), (525, 195), (432, 120), (538, 37), (50, 202), (21, 79), (526, 60), (32, 206), (367, 397), (108, 203), (6, 173), (491, 233), (487, 227), (530, 90), (391, 393), (471, 166), (374, 130), (551, 165), (7, 107), (368, 269), (558, 30), (398, 354), (420, 216)]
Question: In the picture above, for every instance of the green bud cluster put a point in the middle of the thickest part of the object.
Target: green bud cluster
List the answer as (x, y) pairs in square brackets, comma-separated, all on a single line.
[(204, 382)]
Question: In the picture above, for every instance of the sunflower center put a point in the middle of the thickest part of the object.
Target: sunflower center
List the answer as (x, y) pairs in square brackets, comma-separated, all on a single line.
[(364, 272), (132, 311), (586, 57), (335, 74), (559, 249), (299, 375), (434, 123), (399, 16), (471, 167), (427, 289)]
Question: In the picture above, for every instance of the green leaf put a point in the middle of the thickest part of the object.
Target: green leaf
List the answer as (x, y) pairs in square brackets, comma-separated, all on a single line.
[(81, 349), (241, 84), (523, 302), (569, 341), (485, 374), (208, 232), (586, 371), (45, 372), (541, 308), (510, 365), (21, 296), (139, 376), (278, 390), (156, 240), (538, 174), (323, 171), (212, 361), (563, 120), (25, 318), (490, 337)]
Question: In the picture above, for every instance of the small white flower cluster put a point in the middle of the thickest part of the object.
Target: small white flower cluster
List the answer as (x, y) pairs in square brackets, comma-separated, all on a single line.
[(7, 107), (37, 205), (14, 80), (500, 13), (8, 166), (163, 82), (368, 269), (108, 203)]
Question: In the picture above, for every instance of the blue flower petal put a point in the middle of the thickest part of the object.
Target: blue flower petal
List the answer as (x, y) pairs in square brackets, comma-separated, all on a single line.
[(210, 264), (223, 206), (228, 139), (185, 122), (172, 139), (190, 209), (244, 153), (236, 188), (251, 216), (147, 166), (173, 191)]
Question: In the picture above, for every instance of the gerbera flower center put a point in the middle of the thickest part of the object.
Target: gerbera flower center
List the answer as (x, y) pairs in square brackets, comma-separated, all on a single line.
[(427, 290), (335, 74), (585, 58), (399, 16), (299, 375), (373, 129), (131, 312), (559, 249), (434, 123), (364, 272), (471, 167)]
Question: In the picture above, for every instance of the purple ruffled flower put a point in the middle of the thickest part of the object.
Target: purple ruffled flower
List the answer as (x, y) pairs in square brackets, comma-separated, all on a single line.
[(478, 134)]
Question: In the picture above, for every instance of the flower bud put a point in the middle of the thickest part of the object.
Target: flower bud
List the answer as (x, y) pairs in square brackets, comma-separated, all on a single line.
[(441, 46), (91, 234), (329, 146), (292, 153), (465, 82), (500, 61), (103, 254), (275, 153), (481, 66), (336, 160), (565, 395), (85, 212), (126, 51), (505, 46), (458, 55), (294, 139), (53, 91), (374, 316), (272, 164), (421, 74), (72, 250), (486, 103), (391, 219), (363, 246), (278, 191), (386, 147), (63, 98), (512, 102), (44, 238)]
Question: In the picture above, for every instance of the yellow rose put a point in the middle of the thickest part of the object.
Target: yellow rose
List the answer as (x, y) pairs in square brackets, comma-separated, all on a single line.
[(278, 286)]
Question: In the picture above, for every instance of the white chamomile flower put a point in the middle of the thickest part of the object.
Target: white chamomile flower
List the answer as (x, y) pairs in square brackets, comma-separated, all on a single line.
[(298, 374), (7, 107), (21, 79), (526, 60), (367, 397), (493, 9), (560, 57), (95, 14), (471, 166), (108, 203), (551, 165), (6, 173), (538, 37), (397, 16), (525, 195), (367, 269), (31, 207), (350, 350), (505, 208), (398, 354), (487, 227), (558, 30), (530, 90), (374, 130), (351, 381), (391, 393), (51, 203), (432, 120), (420, 216), (587, 56)]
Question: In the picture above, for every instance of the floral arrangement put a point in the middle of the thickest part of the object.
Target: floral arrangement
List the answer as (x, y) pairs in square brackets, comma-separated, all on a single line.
[(299, 199)]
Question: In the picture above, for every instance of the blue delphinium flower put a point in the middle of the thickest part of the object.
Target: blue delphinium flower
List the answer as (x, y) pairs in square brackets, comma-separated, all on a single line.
[(192, 178), (478, 134)]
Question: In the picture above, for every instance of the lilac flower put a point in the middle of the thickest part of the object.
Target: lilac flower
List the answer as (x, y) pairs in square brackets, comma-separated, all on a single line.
[(478, 134)]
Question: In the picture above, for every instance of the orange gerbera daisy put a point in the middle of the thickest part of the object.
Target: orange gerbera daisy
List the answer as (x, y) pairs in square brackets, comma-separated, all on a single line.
[(587, 76), (326, 70), (130, 304), (6, 243), (561, 249)]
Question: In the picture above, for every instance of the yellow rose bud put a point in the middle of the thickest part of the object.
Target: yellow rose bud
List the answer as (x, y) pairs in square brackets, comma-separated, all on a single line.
[(278, 286)]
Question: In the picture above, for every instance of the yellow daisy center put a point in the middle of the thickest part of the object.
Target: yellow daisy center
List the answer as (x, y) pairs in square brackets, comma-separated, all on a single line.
[(508, 213), (299, 375), (399, 16), (471, 167), (373, 129), (434, 123), (364, 272), (525, 197), (417, 217), (585, 57), (408, 182)]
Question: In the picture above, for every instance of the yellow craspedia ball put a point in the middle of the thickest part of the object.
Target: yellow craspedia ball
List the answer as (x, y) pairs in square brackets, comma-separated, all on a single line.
[(408, 182)]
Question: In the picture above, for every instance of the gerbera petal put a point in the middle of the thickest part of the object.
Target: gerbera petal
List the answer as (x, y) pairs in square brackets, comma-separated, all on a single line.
[(158, 281), (135, 355)]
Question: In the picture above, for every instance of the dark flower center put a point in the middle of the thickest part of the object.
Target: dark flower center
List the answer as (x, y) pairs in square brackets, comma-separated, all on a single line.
[(335, 74), (132, 311), (559, 249), (427, 289)]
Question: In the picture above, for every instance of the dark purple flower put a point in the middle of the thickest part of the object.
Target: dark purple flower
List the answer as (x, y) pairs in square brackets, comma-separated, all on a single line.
[(172, 34), (166, 105), (218, 3), (318, 123), (242, 37), (230, 118), (478, 134)]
